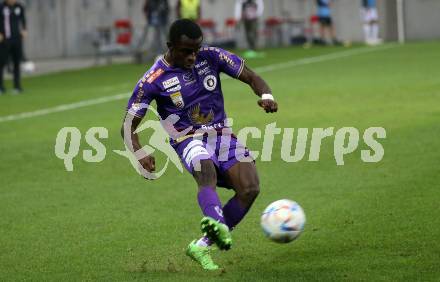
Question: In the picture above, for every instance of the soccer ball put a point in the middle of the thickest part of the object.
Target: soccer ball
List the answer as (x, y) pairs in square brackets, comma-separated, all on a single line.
[(283, 221), (28, 67)]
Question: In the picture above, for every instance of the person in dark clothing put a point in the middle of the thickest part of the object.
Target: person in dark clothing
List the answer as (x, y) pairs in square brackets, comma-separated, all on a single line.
[(249, 12), (12, 31), (156, 13)]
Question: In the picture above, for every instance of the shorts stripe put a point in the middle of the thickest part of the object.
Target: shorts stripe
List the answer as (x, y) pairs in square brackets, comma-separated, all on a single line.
[(190, 145), (195, 152), (192, 150)]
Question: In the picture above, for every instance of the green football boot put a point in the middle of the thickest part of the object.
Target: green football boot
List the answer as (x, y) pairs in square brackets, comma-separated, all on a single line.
[(217, 232), (201, 255)]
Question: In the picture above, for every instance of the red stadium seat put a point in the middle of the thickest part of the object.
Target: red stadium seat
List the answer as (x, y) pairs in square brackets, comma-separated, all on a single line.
[(272, 30), (273, 21), (310, 30), (114, 40), (230, 22), (209, 30), (123, 23), (314, 19), (124, 32), (206, 23)]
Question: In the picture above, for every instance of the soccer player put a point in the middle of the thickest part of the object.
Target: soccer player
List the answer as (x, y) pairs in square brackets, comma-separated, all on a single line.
[(370, 20), (186, 82), (326, 25)]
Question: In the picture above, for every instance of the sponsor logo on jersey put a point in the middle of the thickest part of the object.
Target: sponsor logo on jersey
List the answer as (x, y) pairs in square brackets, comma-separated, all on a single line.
[(188, 77), (218, 125), (201, 64), (175, 88), (177, 100), (144, 79), (210, 82), (227, 59), (210, 49), (139, 96), (171, 82), (155, 75), (204, 71)]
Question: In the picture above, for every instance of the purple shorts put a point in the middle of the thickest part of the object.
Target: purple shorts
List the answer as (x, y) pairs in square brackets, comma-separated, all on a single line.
[(224, 151)]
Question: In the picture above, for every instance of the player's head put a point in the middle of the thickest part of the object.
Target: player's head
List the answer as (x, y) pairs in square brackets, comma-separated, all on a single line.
[(11, 2), (184, 41)]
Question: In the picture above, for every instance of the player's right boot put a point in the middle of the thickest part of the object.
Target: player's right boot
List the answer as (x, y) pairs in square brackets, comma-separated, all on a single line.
[(201, 255), (217, 232)]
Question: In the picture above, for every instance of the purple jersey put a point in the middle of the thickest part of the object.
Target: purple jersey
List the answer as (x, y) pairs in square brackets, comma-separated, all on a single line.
[(194, 95)]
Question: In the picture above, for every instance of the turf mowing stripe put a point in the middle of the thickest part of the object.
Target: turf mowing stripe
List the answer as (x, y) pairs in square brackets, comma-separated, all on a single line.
[(273, 67), (65, 107), (322, 58)]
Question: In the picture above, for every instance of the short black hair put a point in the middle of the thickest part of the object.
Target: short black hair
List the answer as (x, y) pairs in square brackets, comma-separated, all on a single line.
[(184, 27)]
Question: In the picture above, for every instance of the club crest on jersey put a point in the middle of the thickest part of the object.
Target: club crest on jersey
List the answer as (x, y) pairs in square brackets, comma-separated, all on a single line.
[(177, 100), (171, 82), (210, 82)]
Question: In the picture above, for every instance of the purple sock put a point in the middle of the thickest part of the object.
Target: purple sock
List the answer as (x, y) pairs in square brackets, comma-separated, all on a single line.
[(233, 212), (210, 203)]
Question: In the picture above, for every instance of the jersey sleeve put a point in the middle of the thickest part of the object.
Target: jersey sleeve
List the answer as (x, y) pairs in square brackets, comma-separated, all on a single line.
[(227, 62), (141, 98)]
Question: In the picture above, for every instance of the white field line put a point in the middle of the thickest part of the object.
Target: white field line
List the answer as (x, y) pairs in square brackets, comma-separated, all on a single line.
[(64, 107), (322, 58), (273, 67)]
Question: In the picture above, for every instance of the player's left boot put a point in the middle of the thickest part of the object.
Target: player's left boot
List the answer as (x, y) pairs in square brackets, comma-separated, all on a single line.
[(217, 232), (201, 255)]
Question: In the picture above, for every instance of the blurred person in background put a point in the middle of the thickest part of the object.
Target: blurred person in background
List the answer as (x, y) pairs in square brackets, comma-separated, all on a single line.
[(370, 21), (326, 22), (12, 32), (248, 12), (189, 9), (156, 13)]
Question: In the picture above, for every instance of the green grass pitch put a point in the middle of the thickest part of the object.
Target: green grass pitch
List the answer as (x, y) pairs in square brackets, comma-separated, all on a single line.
[(366, 221)]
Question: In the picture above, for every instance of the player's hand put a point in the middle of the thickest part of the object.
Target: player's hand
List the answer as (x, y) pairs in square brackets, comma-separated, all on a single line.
[(148, 163), (270, 106), (1, 37), (23, 34)]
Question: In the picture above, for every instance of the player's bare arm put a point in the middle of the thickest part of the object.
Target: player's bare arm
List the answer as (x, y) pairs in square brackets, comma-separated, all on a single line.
[(148, 162), (260, 88)]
